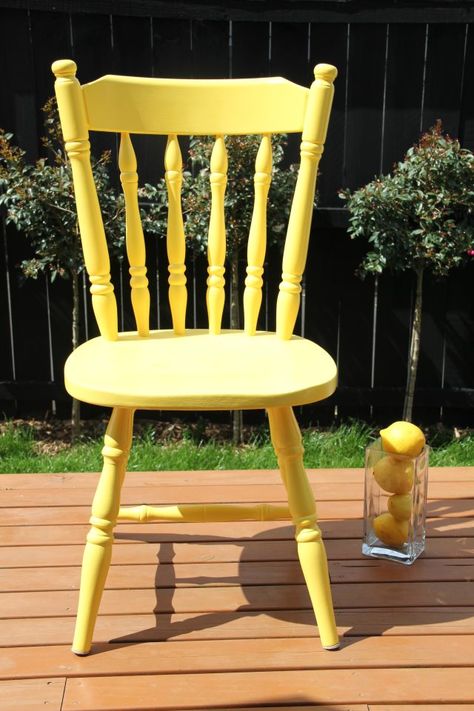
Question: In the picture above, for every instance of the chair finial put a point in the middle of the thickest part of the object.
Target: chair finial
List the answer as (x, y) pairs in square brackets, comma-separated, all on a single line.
[(64, 68), (326, 72)]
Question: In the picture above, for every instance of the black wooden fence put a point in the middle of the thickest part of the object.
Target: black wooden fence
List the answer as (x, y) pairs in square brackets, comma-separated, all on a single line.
[(401, 67)]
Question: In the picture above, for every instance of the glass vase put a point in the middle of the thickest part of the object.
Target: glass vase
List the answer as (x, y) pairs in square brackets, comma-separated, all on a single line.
[(395, 494)]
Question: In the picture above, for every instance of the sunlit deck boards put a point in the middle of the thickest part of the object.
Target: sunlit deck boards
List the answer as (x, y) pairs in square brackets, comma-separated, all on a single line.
[(201, 616)]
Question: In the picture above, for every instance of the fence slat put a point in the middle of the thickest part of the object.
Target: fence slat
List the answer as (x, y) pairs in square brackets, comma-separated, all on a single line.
[(365, 102), (250, 49), (391, 354), (443, 88), (172, 48), (432, 344), (466, 117), (210, 49), (405, 75), (17, 89)]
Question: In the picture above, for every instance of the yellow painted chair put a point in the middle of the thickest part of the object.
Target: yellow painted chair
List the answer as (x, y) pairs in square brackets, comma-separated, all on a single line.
[(182, 369)]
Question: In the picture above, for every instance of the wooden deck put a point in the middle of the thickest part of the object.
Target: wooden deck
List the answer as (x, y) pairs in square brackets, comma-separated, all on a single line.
[(215, 616)]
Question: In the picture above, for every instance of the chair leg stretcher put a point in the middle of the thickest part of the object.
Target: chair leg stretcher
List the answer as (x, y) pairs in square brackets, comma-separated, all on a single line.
[(202, 513)]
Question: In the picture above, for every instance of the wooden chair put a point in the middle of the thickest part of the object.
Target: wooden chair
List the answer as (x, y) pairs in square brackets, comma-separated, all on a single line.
[(212, 369)]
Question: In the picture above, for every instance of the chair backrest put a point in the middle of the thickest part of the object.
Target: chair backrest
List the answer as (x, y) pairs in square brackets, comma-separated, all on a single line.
[(176, 107)]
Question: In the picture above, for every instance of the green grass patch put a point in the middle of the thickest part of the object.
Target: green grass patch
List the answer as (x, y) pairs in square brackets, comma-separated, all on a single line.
[(343, 446)]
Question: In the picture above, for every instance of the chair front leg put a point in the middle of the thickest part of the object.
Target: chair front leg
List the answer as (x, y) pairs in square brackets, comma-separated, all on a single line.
[(286, 439), (105, 506)]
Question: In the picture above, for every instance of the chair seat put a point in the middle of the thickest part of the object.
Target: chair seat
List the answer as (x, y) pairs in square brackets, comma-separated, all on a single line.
[(200, 371)]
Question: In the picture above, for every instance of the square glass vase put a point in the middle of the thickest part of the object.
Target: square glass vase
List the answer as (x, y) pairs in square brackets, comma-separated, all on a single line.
[(395, 494)]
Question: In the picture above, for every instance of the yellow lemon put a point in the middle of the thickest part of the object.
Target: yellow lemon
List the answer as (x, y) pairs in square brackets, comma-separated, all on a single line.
[(403, 438), (389, 530), (400, 506), (394, 475)]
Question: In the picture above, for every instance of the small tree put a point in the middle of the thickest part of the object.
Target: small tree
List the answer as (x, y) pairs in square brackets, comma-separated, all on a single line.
[(419, 218), (238, 204), (39, 201)]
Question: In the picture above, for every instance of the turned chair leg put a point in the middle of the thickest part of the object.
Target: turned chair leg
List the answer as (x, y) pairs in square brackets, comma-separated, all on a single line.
[(286, 439), (105, 506)]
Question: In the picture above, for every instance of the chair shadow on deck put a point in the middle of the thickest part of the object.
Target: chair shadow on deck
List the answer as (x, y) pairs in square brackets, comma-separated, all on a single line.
[(440, 604), (167, 579)]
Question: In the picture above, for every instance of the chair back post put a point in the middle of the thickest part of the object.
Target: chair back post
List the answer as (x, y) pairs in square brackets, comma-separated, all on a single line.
[(134, 239), (175, 238), (215, 295), (257, 236), (76, 138), (299, 225)]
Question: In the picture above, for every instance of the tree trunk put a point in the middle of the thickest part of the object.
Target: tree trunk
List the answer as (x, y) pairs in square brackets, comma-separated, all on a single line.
[(237, 418), (76, 405), (414, 348)]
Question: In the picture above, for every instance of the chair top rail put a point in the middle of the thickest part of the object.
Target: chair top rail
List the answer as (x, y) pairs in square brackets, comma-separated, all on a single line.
[(195, 106)]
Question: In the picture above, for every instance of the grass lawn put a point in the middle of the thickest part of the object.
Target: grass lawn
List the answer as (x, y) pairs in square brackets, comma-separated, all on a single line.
[(22, 451)]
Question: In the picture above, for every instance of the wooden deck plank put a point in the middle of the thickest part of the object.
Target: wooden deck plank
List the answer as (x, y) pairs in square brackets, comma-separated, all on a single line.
[(218, 574), (419, 707), (42, 556), (24, 534), (358, 707), (247, 655), (319, 707), (30, 694), (221, 477), (230, 599), (346, 510), (194, 494), (393, 622), (323, 492), (57, 515), (452, 685)]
